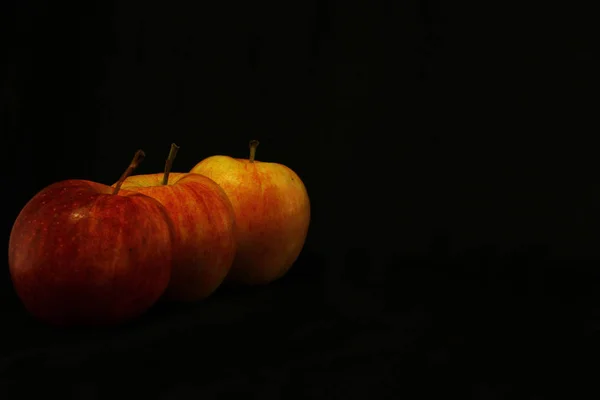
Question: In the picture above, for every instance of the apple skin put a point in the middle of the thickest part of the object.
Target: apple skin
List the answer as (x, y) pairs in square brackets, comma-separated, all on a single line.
[(204, 222), (79, 255), (272, 210)]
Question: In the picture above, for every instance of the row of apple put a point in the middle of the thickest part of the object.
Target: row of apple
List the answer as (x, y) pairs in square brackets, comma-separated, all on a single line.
[(85, 253)]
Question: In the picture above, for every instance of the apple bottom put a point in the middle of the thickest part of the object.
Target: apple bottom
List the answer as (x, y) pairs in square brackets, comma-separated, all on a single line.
[(92, 295), (198, 276), (265, 255), (91, 279)]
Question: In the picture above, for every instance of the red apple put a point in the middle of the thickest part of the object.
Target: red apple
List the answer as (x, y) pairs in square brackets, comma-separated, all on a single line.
[(204, 224), (272, 211), (84, 253)]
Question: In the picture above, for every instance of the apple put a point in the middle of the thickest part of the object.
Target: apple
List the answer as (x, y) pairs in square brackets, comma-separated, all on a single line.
[(204, 222), (272, 211), (84, 253)]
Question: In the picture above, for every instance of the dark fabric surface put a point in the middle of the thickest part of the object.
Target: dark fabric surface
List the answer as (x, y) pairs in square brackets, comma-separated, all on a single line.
[(421, 332)]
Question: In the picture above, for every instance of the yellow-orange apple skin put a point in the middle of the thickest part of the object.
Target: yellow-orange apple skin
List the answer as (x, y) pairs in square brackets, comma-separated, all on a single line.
[(204, 245), (272, 211)]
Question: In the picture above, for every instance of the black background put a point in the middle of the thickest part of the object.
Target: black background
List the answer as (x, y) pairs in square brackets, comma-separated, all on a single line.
[(447, 149)]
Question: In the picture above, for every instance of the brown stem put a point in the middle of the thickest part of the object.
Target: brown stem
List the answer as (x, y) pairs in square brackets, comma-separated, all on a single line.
[(253, 145), (137, 159), (169, 163)]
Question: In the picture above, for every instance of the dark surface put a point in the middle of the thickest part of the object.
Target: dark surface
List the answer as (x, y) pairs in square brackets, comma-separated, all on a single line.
[(447, 150), (425, 333)]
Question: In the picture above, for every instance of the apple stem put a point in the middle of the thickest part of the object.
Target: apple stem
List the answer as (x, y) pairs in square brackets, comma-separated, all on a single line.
[(137, 159), (169, 163), (253, 145)]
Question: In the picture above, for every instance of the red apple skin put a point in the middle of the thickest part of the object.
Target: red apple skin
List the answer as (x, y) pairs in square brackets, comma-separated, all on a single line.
[(204, 223), (79, 255), (272, 210)]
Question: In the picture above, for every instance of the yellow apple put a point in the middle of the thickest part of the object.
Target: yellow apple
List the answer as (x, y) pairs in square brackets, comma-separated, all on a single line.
[(204, 245), (272, 211)]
